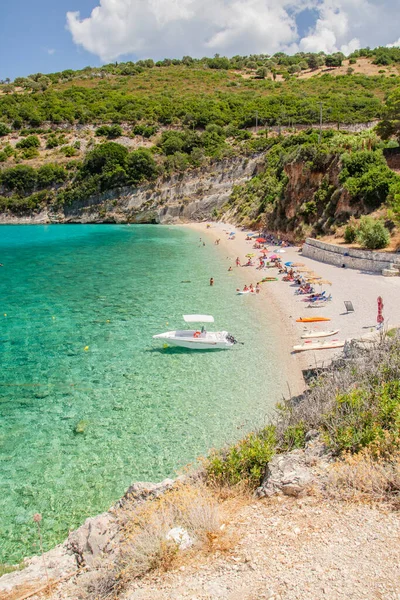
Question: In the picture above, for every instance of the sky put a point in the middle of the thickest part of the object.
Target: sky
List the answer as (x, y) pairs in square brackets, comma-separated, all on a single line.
[(52, 35)]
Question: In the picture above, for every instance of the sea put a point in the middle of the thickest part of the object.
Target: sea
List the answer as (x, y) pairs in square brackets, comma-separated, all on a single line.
[(89, 402)]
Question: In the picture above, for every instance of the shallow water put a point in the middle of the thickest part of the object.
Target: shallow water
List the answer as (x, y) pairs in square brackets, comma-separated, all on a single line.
[(78, 307)]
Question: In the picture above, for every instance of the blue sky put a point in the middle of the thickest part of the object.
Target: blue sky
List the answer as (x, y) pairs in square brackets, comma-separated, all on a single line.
[(29, 29), (53, 35)]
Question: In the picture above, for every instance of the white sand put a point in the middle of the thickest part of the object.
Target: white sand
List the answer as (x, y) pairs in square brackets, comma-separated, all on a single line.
[(361, 288)]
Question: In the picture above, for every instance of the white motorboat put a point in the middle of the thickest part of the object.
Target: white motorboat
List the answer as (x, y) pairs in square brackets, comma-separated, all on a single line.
[(198, 339), (318, 334), (319, 345)]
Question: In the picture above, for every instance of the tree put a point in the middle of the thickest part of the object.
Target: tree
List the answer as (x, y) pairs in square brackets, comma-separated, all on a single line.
[(50, 174), (390, 125), (261, 73), (20, 178), (4, 130), (140, 166), (334, 60), (105, 157), (314, 61)]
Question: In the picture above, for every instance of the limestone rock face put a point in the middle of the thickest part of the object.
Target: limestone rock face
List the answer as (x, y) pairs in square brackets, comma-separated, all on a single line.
[(93, 538), (293, 473), (97, 537), (60, 561)]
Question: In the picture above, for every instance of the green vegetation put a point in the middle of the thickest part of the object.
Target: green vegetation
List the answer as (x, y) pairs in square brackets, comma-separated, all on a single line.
[(372, 234), (354, 406), (244, 461), (362, 169), (362, 417), (111, 132), (196, 92), (32, 141)]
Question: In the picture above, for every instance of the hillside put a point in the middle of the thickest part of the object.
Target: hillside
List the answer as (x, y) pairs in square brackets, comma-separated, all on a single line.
[(81, 138)]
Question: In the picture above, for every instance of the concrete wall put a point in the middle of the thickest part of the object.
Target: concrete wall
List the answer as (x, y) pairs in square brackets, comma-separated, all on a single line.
[(364, 260)]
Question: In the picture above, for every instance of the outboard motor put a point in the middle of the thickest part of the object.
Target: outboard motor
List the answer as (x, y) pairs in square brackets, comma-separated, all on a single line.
[(231, 339)]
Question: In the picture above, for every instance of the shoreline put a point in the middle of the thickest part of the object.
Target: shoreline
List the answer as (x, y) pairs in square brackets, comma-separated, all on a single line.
[(269, 305), (360, 287)]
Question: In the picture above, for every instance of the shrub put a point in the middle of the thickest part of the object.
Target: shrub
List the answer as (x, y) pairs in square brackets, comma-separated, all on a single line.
[(145, 131), (69, 151), (52, 142), (109, 131), (4, 130), (3, 156), (365, 476), (105, 156), (140, 166), (245, 461), (362, 417), (20, 178), (32, 141), (350, 233), (50, 174), (372, 234), (29, 153)]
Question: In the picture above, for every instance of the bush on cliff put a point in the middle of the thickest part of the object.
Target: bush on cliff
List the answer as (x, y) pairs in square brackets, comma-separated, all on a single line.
[(245, 461), (20, 179), (372, 234), (354, 404)]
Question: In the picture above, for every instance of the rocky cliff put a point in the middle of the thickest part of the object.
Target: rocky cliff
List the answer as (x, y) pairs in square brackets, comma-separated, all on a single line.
[(314, 198), (192, 195)]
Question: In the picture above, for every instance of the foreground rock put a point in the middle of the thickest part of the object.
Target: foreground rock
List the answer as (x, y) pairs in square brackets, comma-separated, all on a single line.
[(98, 537), (293, 473)]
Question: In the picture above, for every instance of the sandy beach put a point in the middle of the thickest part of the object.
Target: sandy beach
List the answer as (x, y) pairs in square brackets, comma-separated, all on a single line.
[(278, 297)]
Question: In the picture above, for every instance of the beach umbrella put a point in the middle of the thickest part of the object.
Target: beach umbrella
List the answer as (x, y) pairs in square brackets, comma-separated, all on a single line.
[(325, 282), (273, 256), (380, 318), (261, 240), (232, 233), (281, 251), (250, 255), (264, 252), (288, 264)]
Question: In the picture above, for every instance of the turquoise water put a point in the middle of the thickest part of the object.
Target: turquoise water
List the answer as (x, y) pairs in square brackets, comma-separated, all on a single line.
[(78, 307)]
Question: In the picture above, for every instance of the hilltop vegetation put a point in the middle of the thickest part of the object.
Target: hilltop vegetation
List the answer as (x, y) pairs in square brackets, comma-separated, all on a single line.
[(196, 92), (66, 137)]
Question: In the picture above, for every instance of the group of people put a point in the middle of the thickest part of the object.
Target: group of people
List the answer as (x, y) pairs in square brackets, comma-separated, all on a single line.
[(250, 288)]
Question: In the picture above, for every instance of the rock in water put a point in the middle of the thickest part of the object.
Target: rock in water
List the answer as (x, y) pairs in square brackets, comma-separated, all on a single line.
[(81, 426)]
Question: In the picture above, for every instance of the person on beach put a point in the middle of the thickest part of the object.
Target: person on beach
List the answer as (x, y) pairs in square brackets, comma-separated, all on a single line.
[(238, 262), (245, 289), (230, 269), (258, 288), (211, 280), (251, 288)]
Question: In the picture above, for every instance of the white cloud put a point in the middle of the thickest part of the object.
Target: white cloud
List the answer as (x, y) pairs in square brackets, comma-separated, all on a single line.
[(394, 45), (50, 51), (173, 28)]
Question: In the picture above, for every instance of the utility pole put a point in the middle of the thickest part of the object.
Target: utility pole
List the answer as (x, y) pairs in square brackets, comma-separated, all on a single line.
[(320, 123)]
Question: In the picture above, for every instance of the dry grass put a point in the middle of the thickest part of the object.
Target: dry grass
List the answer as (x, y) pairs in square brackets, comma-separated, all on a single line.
[(202, 512), (364, 477)]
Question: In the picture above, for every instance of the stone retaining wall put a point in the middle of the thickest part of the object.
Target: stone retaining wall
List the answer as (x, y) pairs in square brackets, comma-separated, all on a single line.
[(364, 260)]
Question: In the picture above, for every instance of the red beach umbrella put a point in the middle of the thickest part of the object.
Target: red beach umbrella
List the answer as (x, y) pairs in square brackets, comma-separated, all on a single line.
[(261, 240), (380, 318)]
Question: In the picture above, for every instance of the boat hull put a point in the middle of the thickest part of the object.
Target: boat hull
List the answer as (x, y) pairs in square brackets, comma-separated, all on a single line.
[(188, 339), (318, 346), (318, 334)]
